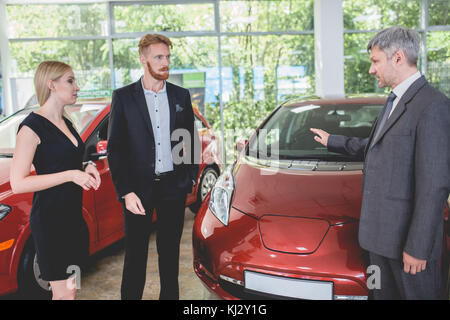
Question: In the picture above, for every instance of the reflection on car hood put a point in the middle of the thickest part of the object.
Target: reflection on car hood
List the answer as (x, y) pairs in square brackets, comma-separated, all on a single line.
[(334, 196)]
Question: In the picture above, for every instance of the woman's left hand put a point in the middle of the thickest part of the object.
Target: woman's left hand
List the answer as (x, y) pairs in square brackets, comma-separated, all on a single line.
[(90, 169)]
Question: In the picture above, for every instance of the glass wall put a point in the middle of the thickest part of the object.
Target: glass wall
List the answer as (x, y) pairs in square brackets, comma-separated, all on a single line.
[(2, 111), (75, 34), (438, 60), (263, 71), (438, 45), (59, 20), (158, 17), (267, 55), (363, 18), (266, 16), (438, 13), (245, 56)]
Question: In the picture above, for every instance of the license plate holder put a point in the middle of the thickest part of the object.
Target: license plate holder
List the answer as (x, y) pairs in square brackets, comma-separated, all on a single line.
[(288, 287)]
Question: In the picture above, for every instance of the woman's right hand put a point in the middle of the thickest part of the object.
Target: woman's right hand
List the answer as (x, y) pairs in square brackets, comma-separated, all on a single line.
[(83, 179)]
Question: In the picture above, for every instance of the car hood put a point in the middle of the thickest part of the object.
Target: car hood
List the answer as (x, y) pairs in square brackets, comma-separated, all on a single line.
[(333, 196), (295, 208)]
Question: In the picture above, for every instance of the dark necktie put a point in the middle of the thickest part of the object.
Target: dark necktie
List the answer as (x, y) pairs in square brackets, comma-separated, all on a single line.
[(385, 114)]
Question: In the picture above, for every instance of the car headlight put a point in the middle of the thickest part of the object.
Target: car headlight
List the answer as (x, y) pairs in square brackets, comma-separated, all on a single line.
[(221, 196), (4, 210)]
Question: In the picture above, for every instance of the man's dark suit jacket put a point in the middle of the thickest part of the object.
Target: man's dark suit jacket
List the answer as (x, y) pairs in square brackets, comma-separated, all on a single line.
[(406, 178), (131, 143)]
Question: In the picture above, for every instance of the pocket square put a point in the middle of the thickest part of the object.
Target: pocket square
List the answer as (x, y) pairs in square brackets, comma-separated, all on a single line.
[(178, 108)]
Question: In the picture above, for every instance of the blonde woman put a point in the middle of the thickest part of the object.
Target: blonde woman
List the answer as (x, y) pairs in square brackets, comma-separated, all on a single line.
[(48, 140)]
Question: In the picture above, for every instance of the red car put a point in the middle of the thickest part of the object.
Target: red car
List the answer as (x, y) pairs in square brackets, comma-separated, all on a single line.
[(101, 211), (282, 221)]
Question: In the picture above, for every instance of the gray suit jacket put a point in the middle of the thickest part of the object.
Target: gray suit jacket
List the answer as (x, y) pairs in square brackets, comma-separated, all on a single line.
[(406, 178)]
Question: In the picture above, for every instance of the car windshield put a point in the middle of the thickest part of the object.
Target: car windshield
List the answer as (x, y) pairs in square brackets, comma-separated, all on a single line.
[(287, 136), (80, 115)]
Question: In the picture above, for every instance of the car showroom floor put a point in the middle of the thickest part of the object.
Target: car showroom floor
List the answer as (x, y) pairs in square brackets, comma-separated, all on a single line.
[(101, 280)]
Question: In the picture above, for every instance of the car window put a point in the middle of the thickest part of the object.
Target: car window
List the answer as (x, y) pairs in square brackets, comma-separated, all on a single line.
[(8, 130), (100, 133), (103, 129), (287, 135)]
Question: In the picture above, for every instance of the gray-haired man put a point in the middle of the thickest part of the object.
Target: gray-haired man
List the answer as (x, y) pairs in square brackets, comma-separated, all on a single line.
[(406, 171)]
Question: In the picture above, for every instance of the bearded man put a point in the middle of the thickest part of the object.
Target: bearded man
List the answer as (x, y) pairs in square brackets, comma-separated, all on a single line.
[(147, 120)]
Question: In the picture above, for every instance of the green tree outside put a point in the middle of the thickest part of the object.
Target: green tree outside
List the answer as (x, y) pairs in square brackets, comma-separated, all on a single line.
[(251, 47)]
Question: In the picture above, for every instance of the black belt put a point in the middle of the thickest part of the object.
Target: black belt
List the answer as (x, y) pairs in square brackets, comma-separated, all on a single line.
[(162, 175)]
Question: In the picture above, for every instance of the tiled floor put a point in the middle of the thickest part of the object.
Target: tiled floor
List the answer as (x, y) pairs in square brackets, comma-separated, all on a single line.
[(101, 281)]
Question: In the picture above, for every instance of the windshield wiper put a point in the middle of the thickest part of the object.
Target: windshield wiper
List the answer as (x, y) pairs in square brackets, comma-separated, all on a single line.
[(321, 157), (340, 157)]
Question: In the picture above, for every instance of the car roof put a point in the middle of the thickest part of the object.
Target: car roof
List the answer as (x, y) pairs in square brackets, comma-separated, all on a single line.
[(361, 99)]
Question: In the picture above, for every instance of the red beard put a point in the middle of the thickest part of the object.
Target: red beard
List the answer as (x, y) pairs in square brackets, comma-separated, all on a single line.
[(164, 75)]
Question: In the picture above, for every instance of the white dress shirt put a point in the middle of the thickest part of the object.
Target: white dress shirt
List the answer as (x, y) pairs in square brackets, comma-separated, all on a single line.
[(158, 108), (402, 87)]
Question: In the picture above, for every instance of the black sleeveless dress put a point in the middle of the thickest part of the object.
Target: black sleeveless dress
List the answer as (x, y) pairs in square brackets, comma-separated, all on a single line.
[(57, 226)]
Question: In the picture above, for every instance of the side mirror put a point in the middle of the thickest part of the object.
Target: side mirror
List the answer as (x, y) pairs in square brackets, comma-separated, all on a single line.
[(101, 150), (240, 145)]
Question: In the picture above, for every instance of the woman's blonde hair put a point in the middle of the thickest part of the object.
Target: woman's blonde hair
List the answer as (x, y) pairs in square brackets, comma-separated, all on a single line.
[(48, 70)]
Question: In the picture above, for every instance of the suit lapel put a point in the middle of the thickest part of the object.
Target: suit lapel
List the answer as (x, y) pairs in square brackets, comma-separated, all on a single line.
[(139, 96), (398, 111), (172, 103), (401, 106)]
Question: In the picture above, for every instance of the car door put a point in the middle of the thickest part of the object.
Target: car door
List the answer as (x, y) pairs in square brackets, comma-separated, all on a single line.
[(108, 210)]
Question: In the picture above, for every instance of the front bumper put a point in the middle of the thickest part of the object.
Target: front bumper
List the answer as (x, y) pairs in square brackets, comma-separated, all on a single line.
[(222, 255)]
